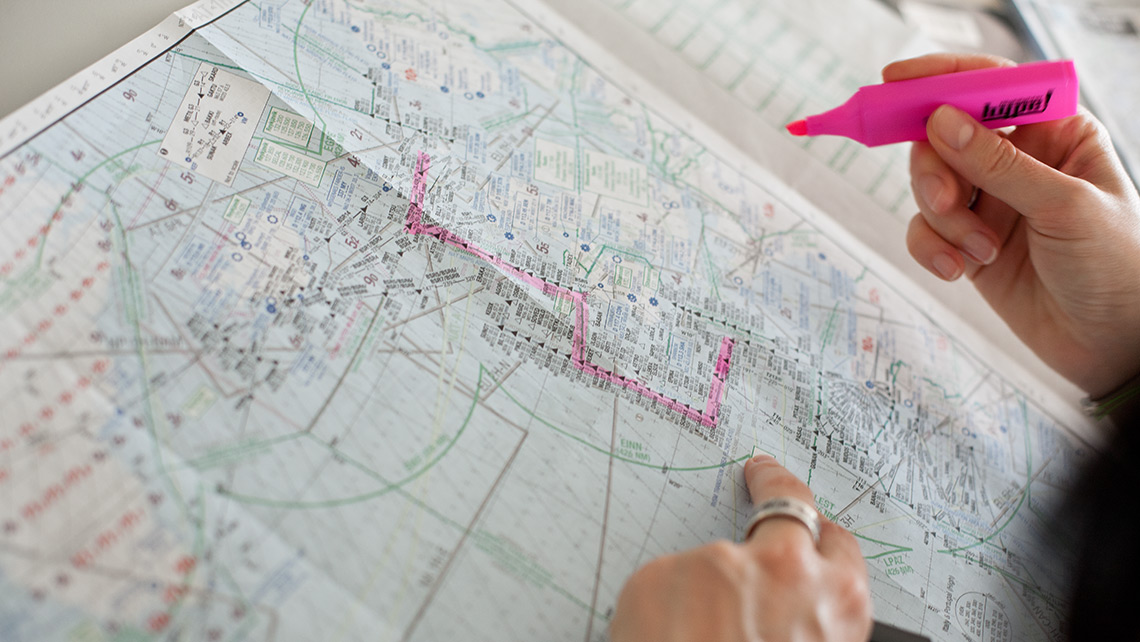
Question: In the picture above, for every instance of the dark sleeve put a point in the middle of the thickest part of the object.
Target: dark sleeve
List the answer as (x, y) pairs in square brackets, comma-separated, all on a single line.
[(1102, 522)]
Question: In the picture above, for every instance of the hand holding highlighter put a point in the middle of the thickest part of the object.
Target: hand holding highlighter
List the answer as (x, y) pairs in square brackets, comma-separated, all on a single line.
[(996, 97)]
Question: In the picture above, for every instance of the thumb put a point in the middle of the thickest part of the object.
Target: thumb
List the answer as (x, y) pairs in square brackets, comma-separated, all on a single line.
[(995, 165)]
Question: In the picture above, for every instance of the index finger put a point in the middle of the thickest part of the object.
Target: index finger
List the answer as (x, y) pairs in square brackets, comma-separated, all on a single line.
[(941, 63), (766, 479)]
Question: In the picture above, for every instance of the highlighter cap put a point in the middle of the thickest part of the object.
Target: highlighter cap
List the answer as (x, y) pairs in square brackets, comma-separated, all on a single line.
[(996, 97)]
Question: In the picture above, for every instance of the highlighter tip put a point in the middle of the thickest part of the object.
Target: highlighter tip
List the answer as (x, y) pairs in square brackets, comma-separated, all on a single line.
[(798, 128)]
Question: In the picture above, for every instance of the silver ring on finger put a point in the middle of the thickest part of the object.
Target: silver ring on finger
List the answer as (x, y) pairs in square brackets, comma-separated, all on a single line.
[(796, 509)]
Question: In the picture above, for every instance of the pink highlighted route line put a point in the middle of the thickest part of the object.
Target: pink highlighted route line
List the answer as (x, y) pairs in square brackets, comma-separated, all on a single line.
[(415, 225)]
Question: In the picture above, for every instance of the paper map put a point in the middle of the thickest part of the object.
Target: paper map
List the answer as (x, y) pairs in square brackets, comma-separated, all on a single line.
[(385, 320)]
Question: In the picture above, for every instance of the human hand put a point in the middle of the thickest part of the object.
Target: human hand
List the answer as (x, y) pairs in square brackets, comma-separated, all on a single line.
[(1052, 241), (775, 586)]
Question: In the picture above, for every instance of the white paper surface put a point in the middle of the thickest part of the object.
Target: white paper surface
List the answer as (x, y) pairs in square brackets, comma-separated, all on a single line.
[(492, 329)]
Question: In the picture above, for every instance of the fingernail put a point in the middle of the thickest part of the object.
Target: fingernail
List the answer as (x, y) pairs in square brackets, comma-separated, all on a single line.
[(952, 126), (929, 189), (762, 457), (946, 266), (980, 248)]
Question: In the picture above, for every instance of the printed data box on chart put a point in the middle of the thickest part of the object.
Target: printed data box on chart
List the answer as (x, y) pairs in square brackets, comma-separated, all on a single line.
[(215, 123)]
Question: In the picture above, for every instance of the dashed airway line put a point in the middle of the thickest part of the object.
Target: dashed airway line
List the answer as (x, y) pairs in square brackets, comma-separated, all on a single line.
[(45, 324), (49, 411), (33, 241), (708, 417)]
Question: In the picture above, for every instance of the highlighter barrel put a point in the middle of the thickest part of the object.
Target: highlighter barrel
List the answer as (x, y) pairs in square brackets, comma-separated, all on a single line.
[(996, 97)]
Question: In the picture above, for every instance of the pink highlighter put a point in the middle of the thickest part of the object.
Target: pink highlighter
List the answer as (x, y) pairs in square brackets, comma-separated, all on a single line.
[(996, 97)]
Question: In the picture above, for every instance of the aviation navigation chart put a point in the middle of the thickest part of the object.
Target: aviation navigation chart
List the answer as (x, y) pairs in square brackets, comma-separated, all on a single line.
[(388, 320)]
